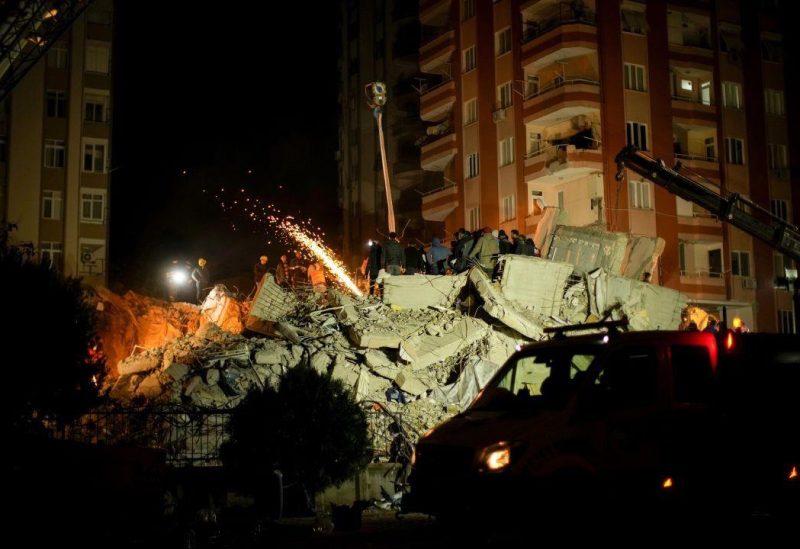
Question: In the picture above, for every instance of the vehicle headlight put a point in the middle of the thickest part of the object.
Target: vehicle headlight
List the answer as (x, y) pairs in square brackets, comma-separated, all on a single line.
[(496, 457)]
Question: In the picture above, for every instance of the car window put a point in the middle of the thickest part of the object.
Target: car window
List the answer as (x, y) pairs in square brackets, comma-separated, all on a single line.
[(692, 375), (629, 378)]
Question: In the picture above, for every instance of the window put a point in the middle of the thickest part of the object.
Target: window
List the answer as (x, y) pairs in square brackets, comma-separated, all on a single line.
[(715, 263), (682, 256), (57, 57), (504, 95), (637, 134), (780, 264), (469, 9), (97, 59), (531, 85), (56, 104), (785, 322), (630, 378), (692, 374), (503, 41), (509, 207), (771, 51), (740, 263), (711, 148), (640, 194), (95, 107), (51, 204), (51, 252), (734, 150), (776, 156), (779, 209), (470, 112), (687, 85), (773, 102), (93, 205), (705, 93), (470, 61), (94, 156), (474, 219), (473, 165), (507, 151), (633, 21), (634, 77), (732, 95), (54, 153)]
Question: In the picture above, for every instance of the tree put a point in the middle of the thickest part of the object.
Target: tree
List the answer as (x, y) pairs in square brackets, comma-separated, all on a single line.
[(310, 428), (50, 367)]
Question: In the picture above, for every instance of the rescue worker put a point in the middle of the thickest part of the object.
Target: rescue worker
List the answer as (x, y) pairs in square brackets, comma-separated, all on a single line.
[(486, 251), (505, 244), (282, 272), (711, 327), (463, 247), (297, 269), (200, 278), (394, 258), (437, 257), (517, 242), (414, 262), (316, 275), (374, 262), (260, 269)]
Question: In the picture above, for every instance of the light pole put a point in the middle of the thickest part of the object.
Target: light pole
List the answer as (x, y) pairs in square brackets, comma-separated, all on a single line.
[(376, 99)]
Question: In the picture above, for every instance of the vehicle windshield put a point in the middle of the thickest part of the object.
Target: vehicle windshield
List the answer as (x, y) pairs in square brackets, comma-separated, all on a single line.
[(541, 380)]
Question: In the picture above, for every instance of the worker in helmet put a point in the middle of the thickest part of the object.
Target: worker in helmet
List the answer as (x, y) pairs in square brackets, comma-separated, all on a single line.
[(316, 275), (200, 278), (260, 269)]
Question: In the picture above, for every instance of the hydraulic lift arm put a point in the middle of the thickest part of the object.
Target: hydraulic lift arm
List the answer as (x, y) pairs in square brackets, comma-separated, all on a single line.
[(779, 234)]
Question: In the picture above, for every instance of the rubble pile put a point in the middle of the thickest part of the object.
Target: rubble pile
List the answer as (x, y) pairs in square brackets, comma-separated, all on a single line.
[(419, 355)]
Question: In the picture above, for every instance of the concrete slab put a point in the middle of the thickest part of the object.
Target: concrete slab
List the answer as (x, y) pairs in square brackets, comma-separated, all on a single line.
[(270, 304), (421, 291), (410, 383), (642, 256), (589, 248), (423, 350), (534, 282), (495, 304)]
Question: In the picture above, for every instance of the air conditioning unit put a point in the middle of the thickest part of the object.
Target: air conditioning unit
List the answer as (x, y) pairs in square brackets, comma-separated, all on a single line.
[(92, 256), (499, 115), (748, 283)]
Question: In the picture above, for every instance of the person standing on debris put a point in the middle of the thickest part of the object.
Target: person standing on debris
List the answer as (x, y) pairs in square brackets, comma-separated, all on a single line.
[(425, 265), (374, 262), (463, 248), (414, 262), (505, 244), (282, 272), (200, 278), (486, 250), (316, 275), (517, 242), (395, 259), (260, 269), (437, 257), (297, 269), (531, 249)]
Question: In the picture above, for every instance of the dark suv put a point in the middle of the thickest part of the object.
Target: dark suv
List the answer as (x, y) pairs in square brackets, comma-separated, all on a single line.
[(684, 419)]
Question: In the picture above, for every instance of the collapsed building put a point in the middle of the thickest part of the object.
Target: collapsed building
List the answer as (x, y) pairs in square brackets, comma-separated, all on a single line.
[(416, 356)]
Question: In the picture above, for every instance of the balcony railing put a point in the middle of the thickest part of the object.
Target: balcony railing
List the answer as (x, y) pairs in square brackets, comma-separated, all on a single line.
[(447, 185), (428, 139), (691, 156), (701, 273), (567, 15), (692, 100), (557, 153), (557, 83), (434, 83)]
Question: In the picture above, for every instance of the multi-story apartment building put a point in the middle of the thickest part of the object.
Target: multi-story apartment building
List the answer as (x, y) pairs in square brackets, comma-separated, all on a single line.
[(379, 42), (55, 133), (540, 95)]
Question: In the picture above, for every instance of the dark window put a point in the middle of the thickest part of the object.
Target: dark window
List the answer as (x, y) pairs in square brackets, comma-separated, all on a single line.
[(630, 378), (692, 376)]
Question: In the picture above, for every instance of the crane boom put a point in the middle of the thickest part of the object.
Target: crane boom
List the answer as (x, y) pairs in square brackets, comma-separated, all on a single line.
[(776, 232)]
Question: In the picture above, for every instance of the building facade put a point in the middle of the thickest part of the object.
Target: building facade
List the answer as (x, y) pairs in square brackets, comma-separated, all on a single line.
[(539, 96), (55, 133), (380, 42)]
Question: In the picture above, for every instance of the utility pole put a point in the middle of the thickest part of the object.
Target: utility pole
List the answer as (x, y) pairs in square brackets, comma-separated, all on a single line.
[(376, 99)]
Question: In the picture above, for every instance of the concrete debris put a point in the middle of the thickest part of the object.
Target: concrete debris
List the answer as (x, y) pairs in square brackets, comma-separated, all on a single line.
[(422, 291), (415, 355)]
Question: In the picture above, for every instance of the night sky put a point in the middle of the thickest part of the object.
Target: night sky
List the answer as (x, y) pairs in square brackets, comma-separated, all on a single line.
[(218, 92)]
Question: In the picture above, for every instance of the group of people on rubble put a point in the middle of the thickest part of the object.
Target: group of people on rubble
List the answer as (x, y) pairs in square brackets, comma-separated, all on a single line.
[(468, 248), (293, 273)]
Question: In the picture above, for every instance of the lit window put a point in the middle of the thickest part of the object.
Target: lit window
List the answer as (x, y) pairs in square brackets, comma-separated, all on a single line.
[(639, 192), (473, 165), (507, 151), (686, 85), (509, 207), (732, 95)]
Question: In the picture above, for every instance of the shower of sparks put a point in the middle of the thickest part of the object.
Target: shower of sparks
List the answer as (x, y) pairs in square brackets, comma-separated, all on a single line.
[(287, 229)]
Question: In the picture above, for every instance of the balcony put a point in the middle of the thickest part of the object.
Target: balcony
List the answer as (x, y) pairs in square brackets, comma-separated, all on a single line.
[(437, 151), (436, 102), (568, 39), (561, 100), (434, 12), (436, 52), (561, 163), (439, 203), (692, 111)]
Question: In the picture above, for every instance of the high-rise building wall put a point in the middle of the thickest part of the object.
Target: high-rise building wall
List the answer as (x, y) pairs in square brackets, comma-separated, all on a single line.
[(380, 42), (56, 142), (541, 95)]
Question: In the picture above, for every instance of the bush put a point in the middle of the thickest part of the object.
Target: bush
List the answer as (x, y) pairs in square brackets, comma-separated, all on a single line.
[(49, 330), (310, 428)]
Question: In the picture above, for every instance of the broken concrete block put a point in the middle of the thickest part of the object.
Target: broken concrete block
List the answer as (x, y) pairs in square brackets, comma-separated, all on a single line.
[(502, 344), (212, 376), (588, 248), (534, 282), (407, 381), (124, 387), (193, 383), (495, 304), (295, 357), (321, 361), (642, 255), (346, 373), (209, 396), (150, 387), (363, 385), (271, 302), (223, 310), (374, 338), (177, 371), (380, 364), (425, 349), (139, 363), (421, 291), (348, 312), (273, 355)]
